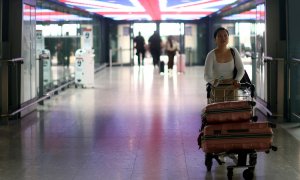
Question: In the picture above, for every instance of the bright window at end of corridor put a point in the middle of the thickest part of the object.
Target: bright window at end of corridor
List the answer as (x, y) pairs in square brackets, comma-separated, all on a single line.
[(171, 29)]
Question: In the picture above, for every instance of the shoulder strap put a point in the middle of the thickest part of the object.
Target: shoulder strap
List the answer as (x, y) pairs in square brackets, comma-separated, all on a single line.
[(234, 70), (233, 54)]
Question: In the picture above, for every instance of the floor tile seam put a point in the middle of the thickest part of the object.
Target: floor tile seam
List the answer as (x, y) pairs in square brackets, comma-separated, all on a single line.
[(184, 152), (136, 155)]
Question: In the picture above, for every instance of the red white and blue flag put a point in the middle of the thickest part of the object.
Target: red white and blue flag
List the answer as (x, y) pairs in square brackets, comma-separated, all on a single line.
[(150, 9)]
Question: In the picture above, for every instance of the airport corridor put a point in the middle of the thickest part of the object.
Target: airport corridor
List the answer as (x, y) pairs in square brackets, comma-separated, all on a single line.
[(135, 124)]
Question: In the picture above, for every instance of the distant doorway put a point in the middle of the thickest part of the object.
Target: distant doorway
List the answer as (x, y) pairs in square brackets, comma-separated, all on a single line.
[(146, 30)]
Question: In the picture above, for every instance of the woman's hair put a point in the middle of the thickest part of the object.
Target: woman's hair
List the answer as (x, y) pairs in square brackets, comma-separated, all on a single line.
[(218, 30)]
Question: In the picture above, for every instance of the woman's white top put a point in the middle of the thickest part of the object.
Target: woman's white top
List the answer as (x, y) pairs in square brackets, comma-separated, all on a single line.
[(215, 70)]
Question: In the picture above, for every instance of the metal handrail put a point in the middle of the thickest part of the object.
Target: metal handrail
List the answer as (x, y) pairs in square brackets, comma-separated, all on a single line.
[(296, 60), (49, 94), (270, 59), (14, 60)]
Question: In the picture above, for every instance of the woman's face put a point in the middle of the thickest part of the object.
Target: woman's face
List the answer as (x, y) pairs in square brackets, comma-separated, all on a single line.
[(222, 38)]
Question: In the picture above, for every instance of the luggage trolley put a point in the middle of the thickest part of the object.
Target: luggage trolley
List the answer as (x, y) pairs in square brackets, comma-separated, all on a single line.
[(230, 129)]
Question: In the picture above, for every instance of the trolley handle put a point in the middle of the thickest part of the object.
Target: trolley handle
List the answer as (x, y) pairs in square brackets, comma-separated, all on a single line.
[(208, 89), (248, 86)]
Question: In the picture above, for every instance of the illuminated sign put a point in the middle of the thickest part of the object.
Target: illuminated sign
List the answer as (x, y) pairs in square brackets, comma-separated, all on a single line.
[(247, 15), (50, 15), (150, 9)]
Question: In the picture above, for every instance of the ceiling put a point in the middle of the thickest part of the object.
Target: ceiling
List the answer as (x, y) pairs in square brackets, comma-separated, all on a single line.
[(150, 10)]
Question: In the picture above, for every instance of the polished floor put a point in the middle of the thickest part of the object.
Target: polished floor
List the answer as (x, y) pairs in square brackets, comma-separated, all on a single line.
[(134, 125)]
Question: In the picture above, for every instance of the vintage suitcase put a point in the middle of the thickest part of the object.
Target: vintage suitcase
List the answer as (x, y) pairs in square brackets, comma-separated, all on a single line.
[(227, 137), (181, 63), (227, 112)]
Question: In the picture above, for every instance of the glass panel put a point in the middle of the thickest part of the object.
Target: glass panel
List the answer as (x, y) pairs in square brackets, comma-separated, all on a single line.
[(120, 49), (295, 91), (33, 73), (190, 42), (28, 53), (63, 32), (261, 68), (245, 34), (293, 63)]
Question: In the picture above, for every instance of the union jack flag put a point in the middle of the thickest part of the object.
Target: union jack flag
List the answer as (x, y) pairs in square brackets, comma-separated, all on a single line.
[(150, 9)]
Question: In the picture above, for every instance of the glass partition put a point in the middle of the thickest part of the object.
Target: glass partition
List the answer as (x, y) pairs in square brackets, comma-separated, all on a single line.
[(190, 43), (28, 69), (60, 32), (260, 67), (294, 74), (293, 62)]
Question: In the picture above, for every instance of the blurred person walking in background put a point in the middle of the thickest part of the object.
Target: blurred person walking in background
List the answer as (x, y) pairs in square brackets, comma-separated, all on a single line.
[(140, 48), (171, 48), (155, 47)]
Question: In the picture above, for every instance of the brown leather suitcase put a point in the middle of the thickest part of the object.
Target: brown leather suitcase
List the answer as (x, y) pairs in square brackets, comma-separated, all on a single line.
[(227, 112), (219, 138)]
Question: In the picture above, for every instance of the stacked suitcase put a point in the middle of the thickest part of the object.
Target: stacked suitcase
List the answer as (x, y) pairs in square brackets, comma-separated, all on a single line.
[(230, 129)]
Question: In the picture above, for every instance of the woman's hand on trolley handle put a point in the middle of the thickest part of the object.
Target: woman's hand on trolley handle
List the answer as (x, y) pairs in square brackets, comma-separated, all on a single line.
[(227, 82), (236, 84)]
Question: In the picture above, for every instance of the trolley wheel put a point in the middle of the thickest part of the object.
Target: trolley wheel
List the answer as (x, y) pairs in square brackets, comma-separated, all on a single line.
[(248, 174), (208, 161), (254, 118), (274, 148), (252, 159), (229, 173), (76, 86)]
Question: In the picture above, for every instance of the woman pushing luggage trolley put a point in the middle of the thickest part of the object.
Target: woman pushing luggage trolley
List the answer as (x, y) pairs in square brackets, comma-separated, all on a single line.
[(229, 128)]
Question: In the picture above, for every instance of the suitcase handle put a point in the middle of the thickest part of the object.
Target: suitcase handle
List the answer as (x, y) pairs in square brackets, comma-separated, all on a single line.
[(237, 130), (216, 132)]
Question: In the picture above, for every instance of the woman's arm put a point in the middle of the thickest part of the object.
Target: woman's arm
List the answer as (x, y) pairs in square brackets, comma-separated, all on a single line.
[(239, 65), (208, 70)]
